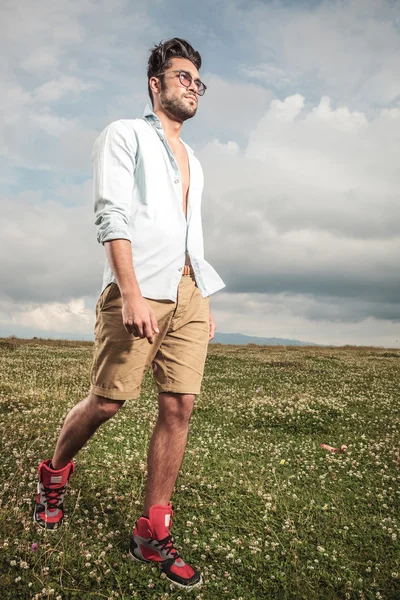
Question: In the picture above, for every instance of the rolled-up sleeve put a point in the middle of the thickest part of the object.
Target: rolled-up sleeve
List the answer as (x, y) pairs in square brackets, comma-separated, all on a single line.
[(113, 160)]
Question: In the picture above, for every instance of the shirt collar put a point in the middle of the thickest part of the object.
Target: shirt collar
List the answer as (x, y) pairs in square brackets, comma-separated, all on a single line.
[(151, 116)]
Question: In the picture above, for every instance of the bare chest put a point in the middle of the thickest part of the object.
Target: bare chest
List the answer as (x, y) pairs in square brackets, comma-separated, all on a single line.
[(182, 160)]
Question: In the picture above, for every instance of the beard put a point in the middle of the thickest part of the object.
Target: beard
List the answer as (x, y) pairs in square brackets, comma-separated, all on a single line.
[(177, 107)]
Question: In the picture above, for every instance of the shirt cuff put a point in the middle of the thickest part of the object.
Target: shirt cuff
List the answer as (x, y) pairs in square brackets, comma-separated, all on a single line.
[(113, 234)]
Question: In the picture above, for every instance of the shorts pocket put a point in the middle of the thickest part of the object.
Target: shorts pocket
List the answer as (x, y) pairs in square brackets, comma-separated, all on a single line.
[(109, 293)]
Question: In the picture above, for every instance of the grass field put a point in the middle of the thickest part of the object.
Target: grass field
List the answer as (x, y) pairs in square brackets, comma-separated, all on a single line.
[(260, 508)]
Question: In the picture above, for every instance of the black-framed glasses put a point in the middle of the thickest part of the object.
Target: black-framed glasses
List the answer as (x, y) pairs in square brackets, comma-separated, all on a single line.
[(186, 80)]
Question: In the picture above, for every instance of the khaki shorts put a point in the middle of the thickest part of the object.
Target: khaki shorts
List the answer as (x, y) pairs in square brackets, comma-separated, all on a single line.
[(177, 355)]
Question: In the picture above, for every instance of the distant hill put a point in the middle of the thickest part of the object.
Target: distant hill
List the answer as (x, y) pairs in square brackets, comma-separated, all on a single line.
[(236, 339), (242, 340)]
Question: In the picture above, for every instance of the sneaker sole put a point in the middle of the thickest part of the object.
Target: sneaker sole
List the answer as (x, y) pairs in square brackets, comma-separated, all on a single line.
[(44, 528), (179, 585)]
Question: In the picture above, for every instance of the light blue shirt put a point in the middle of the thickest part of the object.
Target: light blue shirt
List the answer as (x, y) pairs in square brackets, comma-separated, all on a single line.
[(137, 193)]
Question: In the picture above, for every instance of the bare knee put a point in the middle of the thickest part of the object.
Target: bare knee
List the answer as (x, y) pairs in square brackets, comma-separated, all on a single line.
[(175, 410), (104, 408)]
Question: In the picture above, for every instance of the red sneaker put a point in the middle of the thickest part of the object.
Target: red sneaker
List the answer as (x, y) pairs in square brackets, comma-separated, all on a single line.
[(152, 542), (49, 509)]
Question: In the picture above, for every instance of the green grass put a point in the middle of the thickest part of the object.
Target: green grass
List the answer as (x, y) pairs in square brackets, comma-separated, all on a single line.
[(260, 508)]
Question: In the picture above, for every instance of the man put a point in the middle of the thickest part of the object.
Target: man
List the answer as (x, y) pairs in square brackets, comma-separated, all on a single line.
[(154, 306)]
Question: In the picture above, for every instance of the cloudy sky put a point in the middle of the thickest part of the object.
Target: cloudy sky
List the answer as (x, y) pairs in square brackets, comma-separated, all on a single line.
[(298, 135)]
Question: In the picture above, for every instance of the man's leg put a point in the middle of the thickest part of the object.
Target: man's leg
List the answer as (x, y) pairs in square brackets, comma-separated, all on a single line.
[(167, 447), (151, 540), (80, 424)]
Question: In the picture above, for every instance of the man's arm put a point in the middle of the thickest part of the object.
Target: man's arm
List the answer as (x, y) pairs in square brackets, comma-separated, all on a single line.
[(212, 328), (114, 163), (113, 179), (119, 256), (138, 317)]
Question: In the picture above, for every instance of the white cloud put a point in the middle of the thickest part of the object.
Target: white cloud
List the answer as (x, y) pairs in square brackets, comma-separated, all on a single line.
[(228, 148), (55, 89), (309, 207), (52, 51), (48, 250), (41, 61), (349, 49), (36, 33), (232, 106), (287, 110), (51, 316), (341, 118), (51, 124)]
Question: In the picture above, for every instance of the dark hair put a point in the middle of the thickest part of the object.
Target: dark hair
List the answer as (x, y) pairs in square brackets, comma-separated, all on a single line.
[(161, 56)]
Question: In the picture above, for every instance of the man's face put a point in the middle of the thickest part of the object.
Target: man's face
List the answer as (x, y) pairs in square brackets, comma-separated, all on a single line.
[(175, 98)]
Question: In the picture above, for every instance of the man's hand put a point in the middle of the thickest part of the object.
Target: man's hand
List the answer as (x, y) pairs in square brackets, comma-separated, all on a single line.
[(138, 317), (212, 328)]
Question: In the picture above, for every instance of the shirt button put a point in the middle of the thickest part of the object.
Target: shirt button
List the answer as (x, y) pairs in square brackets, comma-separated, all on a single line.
[(176, 181), (180, 269)]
